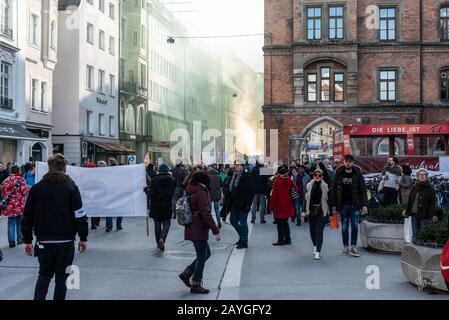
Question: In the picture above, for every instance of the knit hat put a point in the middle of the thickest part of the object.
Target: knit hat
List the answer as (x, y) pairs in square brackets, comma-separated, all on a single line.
[(282, 170), (163, 168)]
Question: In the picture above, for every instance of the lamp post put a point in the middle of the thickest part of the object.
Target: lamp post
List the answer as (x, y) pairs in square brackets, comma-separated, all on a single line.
[(171, 40)]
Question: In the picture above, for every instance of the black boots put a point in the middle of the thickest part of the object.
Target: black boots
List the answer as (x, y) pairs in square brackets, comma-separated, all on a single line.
[(242, 245), (185, 276), (196, 288), (12, 244)]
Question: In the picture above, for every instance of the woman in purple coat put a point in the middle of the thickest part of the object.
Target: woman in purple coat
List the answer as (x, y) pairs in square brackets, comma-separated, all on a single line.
[(198, 230)]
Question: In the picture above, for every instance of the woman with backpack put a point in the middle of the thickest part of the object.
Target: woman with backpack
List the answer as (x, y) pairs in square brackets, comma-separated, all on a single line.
[(198, 230), (160, 191), (15, 190)]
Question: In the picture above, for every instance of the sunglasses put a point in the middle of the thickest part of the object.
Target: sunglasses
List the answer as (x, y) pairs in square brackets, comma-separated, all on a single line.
[(318, 175)]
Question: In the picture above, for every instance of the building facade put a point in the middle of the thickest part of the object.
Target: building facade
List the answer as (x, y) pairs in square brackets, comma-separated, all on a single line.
[(330, 64), (86, 94)]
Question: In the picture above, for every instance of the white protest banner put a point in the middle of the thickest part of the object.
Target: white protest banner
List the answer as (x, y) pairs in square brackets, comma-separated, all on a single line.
[(108, 192)]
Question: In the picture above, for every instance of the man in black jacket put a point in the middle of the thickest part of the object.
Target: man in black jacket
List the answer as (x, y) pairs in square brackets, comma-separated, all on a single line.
[(242, 194), (348, 198), (260, 182), (54, 211)]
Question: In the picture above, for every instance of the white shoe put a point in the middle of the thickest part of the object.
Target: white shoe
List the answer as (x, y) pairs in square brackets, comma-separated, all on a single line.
[(317, 256), (314, 251)]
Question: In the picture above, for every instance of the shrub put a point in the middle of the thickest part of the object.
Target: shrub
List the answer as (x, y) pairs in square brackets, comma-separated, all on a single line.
[(434, 234), (391, 214)]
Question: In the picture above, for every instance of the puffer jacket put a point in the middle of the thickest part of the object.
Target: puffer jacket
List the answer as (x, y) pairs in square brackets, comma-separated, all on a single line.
[(161, 191), (215, 185), (281, 201), (17, 197)]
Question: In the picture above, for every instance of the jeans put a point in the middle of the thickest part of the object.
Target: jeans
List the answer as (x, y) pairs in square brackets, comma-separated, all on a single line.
[(216, 205), (418, 224), (176, 195), (283, 231), (239, 221), (161, 228), (348, 213), (202, 254), (15, 229), (316, 225), (53, 261), (109, 223), (297, 204), (259, 200)]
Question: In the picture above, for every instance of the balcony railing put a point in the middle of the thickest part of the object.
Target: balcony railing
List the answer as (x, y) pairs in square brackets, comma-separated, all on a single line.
[(134, 88), (6, 103), (6, 31)]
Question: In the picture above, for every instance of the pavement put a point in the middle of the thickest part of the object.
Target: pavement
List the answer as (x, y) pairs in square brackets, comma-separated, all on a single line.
[(127, 265)]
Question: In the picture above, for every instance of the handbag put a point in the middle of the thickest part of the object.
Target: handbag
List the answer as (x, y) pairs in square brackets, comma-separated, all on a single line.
[(293, 193), (334, 222), (408, 230)]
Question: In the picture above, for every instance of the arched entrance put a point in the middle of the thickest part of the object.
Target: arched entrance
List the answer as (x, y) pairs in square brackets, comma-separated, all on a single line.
[(38, 152)]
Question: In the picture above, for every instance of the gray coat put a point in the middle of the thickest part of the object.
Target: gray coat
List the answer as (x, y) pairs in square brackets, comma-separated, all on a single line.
[(215, 186), (405, 184)]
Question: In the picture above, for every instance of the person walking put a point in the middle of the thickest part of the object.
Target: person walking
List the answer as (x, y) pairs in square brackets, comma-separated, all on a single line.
[(349, 198), (227, 201), (54, 213), (224, 173), (260, 182), (215, 192), (296, 203), (302, 179), (316, 207), (15, 190), (281, 204), (179, 173), (198, 231), (118, 222), (405, 184), (242, 193), (30, 175), (161, 190), (391, 174), (421, 202)]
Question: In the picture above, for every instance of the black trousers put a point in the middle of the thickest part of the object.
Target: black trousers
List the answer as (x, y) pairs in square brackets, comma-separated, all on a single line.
[(390, 196), (283, 230), (316, 226), (161, 228), (53, 261)]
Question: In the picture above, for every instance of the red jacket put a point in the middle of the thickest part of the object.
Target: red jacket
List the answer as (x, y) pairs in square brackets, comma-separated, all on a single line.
[(445, 263), (16, 205), (281, 200)]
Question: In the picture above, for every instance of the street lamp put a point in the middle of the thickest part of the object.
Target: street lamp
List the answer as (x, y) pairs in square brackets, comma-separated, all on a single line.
[(171, 40)]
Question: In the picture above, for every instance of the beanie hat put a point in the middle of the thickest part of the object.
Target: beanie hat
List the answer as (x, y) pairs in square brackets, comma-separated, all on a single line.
[(282, 170), (163, 168)]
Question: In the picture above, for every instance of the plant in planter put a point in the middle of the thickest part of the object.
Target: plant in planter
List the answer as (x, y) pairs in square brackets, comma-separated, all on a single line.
[(434, 235), (383, 230)]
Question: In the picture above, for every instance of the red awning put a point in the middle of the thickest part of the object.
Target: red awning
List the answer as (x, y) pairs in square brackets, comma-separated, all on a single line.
[(112, 147)]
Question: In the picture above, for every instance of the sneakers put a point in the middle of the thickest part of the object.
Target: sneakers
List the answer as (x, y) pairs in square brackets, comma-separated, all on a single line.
[(317, 256), (345, 251), (108, 229), (242, 245), (279, 243), (354, 252), (185, 276), (196, 288), (314, 250), (161, 245)]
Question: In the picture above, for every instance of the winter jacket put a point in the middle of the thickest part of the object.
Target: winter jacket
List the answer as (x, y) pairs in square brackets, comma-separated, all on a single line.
[(393, 174), (179, 173), (324, 197), (242, 195), (302, 188), (3, 175), (161, 190), (54, 210), (227, 201), (200, 204), (426, 200), (215, 185), (281, 200), (17, 197), (223, 176), (405, 184), (359, 191), (260, 181), (30, 178)]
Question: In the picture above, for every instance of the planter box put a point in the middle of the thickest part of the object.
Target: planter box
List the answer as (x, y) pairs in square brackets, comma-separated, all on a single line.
[(382, 236), (421, 266)]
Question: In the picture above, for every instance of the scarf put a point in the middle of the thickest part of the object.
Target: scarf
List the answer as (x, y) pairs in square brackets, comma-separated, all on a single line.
[(235, 180)]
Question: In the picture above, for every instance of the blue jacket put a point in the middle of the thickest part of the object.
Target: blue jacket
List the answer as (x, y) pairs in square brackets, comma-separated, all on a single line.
[(30, 178)]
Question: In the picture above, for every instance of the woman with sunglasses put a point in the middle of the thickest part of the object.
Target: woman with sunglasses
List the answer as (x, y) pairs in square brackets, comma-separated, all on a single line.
[(317, 209)]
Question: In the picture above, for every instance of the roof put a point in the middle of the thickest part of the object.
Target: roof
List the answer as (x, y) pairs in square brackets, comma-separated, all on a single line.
[(63, 4), (16, 132), (112, 147)]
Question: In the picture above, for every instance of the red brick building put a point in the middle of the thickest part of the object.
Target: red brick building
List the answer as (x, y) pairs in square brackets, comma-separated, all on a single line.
[(356, 62)]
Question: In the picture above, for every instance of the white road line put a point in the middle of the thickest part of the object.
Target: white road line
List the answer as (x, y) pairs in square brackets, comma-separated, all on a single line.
[(229, 287)]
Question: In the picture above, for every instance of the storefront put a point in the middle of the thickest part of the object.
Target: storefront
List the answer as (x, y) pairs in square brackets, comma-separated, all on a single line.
[(101, 150)]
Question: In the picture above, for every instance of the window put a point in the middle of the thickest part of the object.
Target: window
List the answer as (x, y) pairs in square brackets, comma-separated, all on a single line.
[(90, 33), (101, 40), (122, 69), (131, 76), (112, 46), (311, 87), (53, 35), (122, 29), (143, 76), (34, 84), (444, 23), (111, 126), (325, 84), (101, 124), (387, 24), (6, 18), (111, 85), (111, 11), (101, 81), (388, 85), (101, 5), (445, 85), (314, 23), (339, 87), (89, 125), (136, 38), (4, 88), (336, 23), (90, 78), (43, 96), (34, 30), (142, 37)]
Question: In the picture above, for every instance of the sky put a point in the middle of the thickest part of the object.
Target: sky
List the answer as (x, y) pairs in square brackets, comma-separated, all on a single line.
[(228, 17)]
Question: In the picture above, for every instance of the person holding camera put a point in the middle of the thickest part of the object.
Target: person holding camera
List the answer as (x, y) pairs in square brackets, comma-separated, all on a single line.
[(54, 212)]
